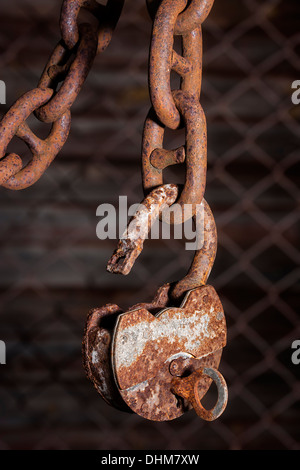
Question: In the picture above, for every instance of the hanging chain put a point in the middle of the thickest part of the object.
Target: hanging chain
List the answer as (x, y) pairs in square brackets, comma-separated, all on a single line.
[(58, 88), (172, 109), (175, 109)]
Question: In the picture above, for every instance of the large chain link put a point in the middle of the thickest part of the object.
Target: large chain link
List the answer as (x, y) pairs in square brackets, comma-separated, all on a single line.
[(58, 88)]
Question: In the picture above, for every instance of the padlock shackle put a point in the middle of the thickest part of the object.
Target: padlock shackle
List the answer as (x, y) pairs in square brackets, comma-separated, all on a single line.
[(204, 257), (132, 241)]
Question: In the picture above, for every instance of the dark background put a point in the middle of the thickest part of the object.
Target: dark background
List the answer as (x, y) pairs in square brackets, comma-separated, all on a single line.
[(52, 266)]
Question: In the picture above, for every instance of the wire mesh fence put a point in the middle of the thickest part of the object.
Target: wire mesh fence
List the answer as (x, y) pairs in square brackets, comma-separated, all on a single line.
[(52, 265)]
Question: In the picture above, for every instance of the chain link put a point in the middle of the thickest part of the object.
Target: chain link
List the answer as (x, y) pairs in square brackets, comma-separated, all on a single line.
[(194, 153), (160, 64), (68, 66), (107, 16), (73, 74)]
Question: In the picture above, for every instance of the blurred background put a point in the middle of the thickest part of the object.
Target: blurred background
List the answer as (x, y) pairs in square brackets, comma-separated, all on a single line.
[(53, 267)]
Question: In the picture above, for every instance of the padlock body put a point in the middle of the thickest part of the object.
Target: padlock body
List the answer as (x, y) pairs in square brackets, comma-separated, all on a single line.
[(97, 346), (144, 345)]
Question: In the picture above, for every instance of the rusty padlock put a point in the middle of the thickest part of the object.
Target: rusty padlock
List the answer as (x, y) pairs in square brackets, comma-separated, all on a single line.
[(159, 359)]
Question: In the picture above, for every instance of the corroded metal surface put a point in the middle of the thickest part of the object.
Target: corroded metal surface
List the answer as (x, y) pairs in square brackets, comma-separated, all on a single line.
[(140, 361), (192, 49), (97, 351), (143, 342), (194, 15), (19, 112), (107, 16), (164, 362), (161, 53), (9, 166), (74, 75), (154, 399), (43, 151), (131, 244), (162, 158), (204, 258), (161, 300), (195, 153), (164, 58)]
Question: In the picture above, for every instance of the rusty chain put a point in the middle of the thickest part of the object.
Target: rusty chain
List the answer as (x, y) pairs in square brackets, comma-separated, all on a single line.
[(58, 88), (174, 109)]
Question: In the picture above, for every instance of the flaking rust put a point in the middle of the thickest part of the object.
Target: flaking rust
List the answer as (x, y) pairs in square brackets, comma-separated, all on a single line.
[(156, 400), (96, 348)]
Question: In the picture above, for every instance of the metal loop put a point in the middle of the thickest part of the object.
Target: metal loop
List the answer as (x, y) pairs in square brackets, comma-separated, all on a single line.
[(163, 59), (161, 54), (107, 17), (75, 75), (196, 150), (191, 18), (192, 46), (19, 112), (189, 66), (217, 410), (188, 388)]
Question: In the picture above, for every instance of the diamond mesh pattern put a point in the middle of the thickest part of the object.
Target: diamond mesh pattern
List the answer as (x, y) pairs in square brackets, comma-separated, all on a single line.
[(52, 266)]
